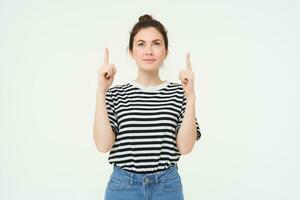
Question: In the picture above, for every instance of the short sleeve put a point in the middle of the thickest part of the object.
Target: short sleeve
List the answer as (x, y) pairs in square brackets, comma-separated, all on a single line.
[(110, 107), (181, 119)]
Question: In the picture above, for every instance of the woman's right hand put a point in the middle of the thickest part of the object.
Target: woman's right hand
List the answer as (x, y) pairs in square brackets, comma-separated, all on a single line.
[(106, 73)]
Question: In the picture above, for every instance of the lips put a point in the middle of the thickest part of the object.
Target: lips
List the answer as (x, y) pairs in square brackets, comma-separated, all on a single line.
[(149, 60)]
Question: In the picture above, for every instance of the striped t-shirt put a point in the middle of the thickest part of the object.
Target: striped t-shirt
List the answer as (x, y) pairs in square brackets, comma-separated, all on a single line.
[(146, 121)]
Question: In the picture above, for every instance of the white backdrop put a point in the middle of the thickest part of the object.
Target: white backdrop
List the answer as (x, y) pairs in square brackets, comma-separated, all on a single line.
[(245, 56)]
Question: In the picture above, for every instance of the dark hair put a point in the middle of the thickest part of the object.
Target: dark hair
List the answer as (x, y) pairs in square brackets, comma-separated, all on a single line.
[(146, 21)]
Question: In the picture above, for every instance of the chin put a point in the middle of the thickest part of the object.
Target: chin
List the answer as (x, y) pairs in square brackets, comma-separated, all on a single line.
[(149, 68)]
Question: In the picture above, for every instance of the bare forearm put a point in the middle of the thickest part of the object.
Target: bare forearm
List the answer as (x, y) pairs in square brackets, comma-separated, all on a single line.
[(187, 132), (104, 137)]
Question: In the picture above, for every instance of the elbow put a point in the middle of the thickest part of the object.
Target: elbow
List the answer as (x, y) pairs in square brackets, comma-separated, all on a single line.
[(103, 149), (185, 151), (184, 148), (100, 145)]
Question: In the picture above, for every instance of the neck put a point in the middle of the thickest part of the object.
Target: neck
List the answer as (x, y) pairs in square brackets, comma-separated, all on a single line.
[(148, 78)]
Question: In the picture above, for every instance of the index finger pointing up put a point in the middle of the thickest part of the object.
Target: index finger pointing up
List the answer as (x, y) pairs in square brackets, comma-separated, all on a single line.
[(106, 56), (188, 61)]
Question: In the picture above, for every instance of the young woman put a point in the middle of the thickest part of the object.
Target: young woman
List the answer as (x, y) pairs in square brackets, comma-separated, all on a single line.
[(147, 123)]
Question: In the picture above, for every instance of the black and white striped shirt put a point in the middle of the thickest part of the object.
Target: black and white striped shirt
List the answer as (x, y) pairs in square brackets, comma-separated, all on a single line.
[(146, 121)]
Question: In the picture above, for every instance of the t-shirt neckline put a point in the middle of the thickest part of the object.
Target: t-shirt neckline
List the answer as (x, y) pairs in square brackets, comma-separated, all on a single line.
[(149, 88)]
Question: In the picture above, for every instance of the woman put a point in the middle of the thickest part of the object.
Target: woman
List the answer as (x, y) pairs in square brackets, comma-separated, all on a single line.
[(147, 123)]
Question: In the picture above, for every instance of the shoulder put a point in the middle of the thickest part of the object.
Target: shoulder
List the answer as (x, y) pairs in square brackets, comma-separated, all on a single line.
[(119, 90), (175, 84), (118, 87), (177, 87)]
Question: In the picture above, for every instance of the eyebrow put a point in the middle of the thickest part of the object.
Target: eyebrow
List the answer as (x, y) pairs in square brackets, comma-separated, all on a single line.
[(152, 40)]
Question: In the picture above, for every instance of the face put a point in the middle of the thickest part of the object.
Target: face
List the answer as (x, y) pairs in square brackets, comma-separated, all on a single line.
[(148, 49)]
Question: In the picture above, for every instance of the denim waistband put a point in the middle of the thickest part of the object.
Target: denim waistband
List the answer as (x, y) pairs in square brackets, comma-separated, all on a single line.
[(155, 177)]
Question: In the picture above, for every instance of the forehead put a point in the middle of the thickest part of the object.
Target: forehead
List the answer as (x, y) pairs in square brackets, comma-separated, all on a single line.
[(148, 34)]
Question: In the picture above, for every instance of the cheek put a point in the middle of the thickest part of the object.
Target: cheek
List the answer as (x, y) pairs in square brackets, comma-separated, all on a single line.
[(137, 54), (140, 52), (162, 54)]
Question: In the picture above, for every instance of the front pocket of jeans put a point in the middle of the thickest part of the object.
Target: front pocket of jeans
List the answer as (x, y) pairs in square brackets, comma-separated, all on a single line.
[(119, 183), (114, 184), (173, 184)]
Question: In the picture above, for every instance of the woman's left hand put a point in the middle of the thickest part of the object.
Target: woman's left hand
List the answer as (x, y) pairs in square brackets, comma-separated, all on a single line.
[(187, 77)]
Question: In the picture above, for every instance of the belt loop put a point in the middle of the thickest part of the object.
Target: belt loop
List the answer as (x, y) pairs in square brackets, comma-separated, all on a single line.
[(131, 178), (156, 178)]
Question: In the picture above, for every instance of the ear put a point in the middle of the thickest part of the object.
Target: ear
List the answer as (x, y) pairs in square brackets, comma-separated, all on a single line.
[(167, 52), (131, 54)]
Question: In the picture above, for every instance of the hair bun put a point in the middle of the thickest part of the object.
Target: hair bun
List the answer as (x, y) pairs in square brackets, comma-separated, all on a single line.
[(145, 18)]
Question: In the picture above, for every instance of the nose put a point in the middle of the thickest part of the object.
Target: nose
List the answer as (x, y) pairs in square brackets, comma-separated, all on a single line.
[(148, 51)]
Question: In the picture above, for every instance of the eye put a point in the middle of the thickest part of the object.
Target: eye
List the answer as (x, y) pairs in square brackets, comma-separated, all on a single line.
[(140, 44), (157, 44)]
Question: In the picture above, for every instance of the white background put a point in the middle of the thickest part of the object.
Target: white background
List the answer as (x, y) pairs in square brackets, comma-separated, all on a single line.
[(245, 56)]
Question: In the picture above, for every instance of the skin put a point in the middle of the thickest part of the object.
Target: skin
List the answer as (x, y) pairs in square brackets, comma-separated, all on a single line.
[(148, 43)]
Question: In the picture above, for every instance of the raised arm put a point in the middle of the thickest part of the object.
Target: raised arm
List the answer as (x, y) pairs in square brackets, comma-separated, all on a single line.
[(104, 137)]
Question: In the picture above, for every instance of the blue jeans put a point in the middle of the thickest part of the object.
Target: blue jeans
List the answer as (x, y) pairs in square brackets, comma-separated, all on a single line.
[(125, 185)]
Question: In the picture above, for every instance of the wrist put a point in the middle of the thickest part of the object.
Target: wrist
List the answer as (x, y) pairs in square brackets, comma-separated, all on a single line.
[(190, 96), (101, 91)]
